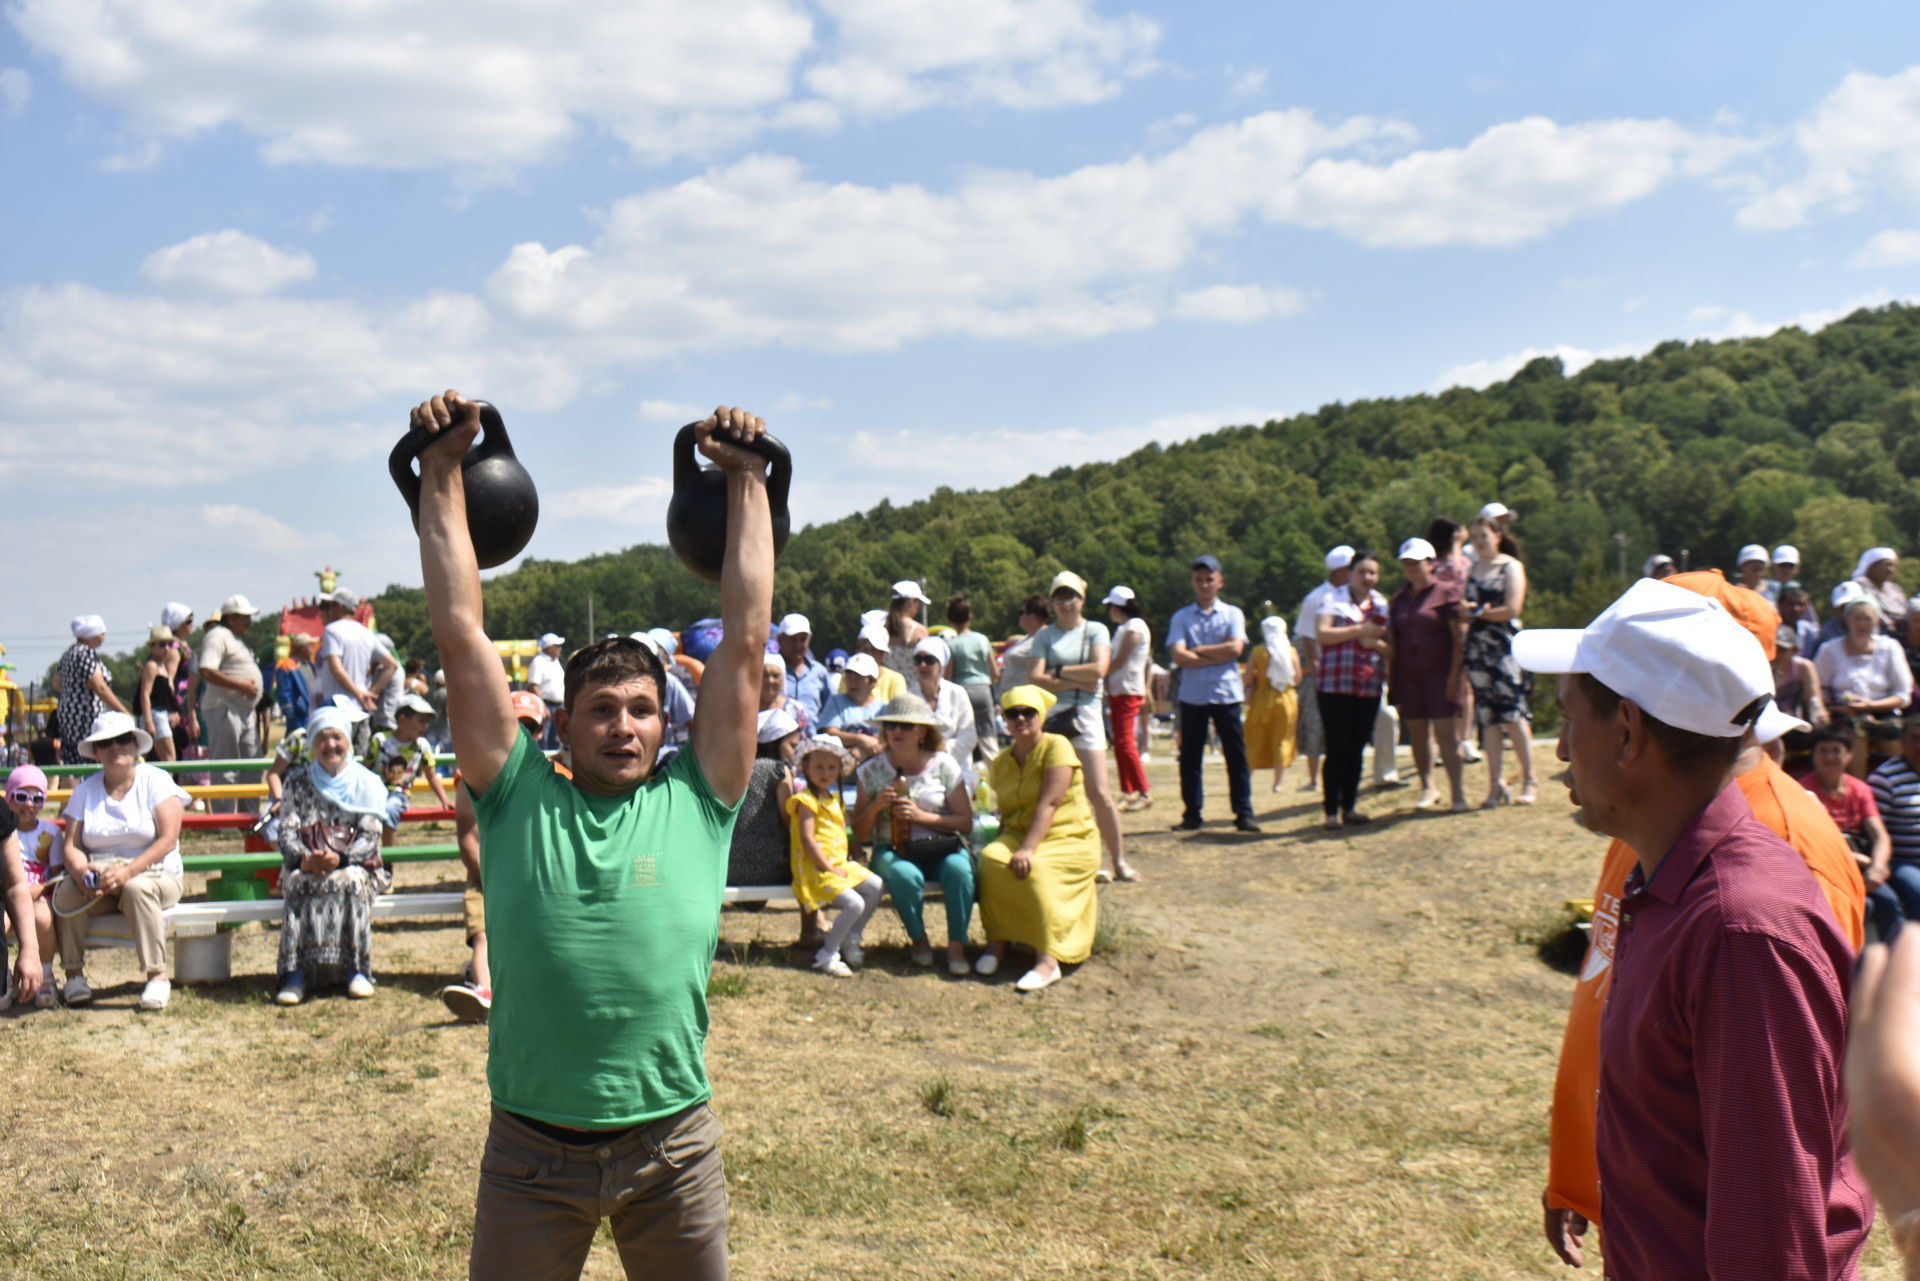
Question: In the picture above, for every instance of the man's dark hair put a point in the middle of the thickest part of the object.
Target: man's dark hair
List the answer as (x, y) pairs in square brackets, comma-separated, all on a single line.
[(1833, 732), (1441, 531), (1035, 605), (1362, 554), (959, 611), (614, 661), (1686, 751)]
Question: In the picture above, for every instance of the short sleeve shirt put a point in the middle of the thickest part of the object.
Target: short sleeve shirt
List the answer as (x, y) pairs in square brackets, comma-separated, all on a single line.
[(842, 713), (1347, 668), (294, 749), (221, 651), (602, 917), (354, 644), (930, 789), (1305, 626), (1852, 808), (41, 851), (1131, 677), (1064, 649), (972, 658), (386, 748), (1192, 626), (124, 828)]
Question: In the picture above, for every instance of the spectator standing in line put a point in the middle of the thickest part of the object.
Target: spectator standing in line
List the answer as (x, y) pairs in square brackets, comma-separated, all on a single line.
[(1874, 573), (904, 628), (1865, 678), (1206, 641), (1502, 692), (807, 681), (351, 661), (1016, 660), (1312, 735), (1452, 565), (1273, 704), (1353, 636), (1786, 568), (395, 687), (547, 677), (1752, 565), (1428, 635), (416, 677), (1127, 692), (973, 669), (81, 681), (1073, 655), (1896, 791), (186, 678), (156, 699), (1856, 813), (1719, 1154), (437, 733), (296, 683), (230, 683)]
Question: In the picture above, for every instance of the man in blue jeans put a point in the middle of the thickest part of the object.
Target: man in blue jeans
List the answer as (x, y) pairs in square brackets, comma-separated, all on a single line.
[(1206, 640)]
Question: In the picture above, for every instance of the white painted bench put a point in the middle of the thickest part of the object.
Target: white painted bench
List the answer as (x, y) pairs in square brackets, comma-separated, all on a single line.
[(203, 952)]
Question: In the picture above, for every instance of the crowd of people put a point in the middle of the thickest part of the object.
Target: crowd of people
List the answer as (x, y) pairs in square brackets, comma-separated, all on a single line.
[(1708, 1102)]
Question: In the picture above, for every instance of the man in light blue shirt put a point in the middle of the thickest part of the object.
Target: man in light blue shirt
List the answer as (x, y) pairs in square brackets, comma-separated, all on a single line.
[(807, 677), (1206, 640)]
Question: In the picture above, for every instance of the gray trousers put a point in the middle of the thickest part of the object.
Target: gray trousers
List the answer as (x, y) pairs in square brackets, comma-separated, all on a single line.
[(230, 734)]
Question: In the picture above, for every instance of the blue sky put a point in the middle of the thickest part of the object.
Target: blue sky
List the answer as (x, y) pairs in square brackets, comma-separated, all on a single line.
[(934, 244)]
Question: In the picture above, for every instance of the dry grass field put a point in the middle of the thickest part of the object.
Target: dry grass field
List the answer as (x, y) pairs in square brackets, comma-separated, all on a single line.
[(1302, 1054)]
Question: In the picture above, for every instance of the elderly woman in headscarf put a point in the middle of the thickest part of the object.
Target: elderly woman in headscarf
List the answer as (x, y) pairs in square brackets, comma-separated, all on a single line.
[(1874, 573), (85, 692), (1037, 880), (951, 704), (331, 816)]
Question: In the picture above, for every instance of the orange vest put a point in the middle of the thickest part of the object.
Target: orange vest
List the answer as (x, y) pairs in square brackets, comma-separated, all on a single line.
[(1784, 806)]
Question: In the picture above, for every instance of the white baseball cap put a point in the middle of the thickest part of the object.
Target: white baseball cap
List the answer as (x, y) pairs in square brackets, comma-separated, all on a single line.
[(863, 665), (875, 636), (1677, 654), (1416, 549), (1846, 592), (1752, 551), (237, 604), (1340, 557), (907, 589), (1495, 510), (874, 618), (795, 625), (416, 704), (1119, 596), (665, 640), (549, 640), (1786, 554)]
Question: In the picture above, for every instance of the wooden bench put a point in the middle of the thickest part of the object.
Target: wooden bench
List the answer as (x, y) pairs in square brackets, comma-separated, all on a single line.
[(203, 951)]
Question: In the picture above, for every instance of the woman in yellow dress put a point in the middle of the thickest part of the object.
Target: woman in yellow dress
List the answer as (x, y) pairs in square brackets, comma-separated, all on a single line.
[(1273, 705), (1037, 880)]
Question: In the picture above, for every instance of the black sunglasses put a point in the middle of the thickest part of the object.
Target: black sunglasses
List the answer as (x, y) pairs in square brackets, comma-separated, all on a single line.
[(123, 740), (1020, 713), (929, 659)]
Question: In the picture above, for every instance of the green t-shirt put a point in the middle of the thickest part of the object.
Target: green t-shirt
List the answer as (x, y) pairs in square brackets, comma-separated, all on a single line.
[(972, 658), (602, 918)]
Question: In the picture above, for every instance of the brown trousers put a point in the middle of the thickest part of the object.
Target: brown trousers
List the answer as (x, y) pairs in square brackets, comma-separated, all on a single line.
[(141, 900), (541, 1201)]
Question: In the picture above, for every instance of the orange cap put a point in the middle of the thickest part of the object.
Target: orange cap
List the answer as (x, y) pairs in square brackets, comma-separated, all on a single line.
[(528, 707), (1749, 608)]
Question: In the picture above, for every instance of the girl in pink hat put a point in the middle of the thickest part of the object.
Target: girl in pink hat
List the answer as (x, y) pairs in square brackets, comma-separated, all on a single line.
[(40, 859)]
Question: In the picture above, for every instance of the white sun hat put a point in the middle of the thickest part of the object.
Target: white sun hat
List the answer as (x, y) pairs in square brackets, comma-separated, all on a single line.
[(1677, 654), (109, 725)]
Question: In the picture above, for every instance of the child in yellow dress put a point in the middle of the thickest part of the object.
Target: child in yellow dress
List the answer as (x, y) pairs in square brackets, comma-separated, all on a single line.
[(823, 875)]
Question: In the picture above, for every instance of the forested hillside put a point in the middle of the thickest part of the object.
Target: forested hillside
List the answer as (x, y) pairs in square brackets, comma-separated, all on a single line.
[(1808, 438)]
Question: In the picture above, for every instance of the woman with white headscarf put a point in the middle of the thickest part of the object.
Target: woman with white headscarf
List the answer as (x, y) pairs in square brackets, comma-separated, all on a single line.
[(85, 692), (952, 707), (331, 816), (1273, 704), (1874, 572)]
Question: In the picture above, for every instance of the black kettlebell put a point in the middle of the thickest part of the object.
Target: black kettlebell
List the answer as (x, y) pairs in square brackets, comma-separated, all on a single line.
[(502, 505), (697, 516)]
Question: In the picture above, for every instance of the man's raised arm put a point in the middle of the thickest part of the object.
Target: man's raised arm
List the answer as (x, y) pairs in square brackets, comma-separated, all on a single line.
[(724, 730), (478, 713)]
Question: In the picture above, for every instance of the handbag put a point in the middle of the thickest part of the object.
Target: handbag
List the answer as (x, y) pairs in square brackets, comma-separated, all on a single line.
[(1063, 720), (928, 852)]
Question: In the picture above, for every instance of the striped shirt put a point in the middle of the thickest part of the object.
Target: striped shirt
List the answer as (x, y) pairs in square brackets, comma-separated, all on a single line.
[(1896, 790)]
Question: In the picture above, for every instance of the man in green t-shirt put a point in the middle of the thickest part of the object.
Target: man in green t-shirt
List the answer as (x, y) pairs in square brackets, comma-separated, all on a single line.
[(603, 899)]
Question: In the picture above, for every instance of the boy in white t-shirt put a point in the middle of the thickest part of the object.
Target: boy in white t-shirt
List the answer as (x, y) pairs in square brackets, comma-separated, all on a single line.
[(40, 859)]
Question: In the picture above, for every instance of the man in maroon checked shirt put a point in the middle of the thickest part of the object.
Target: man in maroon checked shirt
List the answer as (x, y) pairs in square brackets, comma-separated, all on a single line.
[(1722, 1126)]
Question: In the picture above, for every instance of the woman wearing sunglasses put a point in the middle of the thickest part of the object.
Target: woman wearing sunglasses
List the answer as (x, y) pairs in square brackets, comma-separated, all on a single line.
[(1037, 881), (1071, 657), (951, 706), (123, 854)]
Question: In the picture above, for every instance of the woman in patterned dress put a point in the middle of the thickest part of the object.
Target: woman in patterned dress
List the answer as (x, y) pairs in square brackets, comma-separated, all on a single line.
[(1502, 693), (331, 816), (84, 688)]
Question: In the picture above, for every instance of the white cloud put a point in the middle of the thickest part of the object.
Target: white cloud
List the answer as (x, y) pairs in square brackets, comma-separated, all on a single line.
[(16, 89), (1239, 304), (1890, 248), (646, 497), (476, 86), (1863, 139), (226, 263), (670, 411), (1246, 84), (793, 402), (1484, 373), (138, 158)]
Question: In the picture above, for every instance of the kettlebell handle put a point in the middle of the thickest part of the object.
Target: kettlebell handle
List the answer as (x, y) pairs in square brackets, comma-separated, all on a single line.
[(493, 435), (686, 463)]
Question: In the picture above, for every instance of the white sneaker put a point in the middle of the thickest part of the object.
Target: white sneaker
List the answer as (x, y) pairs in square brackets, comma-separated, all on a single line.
[(854, 954), (359, 987), (832, 966), (46, 995), (76, 991), (290, 995), (156, 994)]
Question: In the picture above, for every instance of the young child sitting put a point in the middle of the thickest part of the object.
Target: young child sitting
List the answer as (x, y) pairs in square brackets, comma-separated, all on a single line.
[(823, 875), (40, 858), (401, 755), (1857, 815)]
